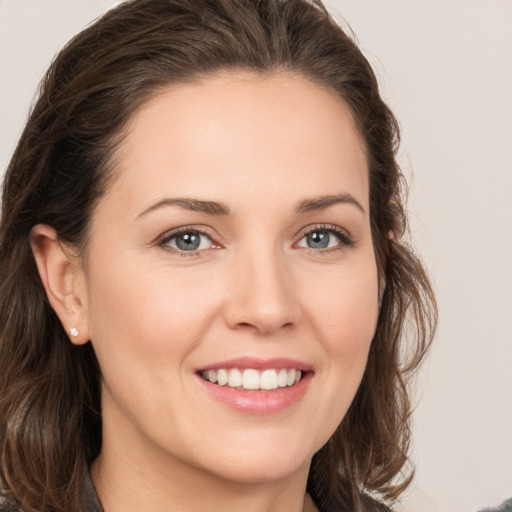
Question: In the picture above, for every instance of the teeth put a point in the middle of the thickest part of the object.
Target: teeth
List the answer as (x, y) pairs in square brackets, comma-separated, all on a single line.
[(268, 379), (222, 377), (252, 379), (235, 378), (282, 378)]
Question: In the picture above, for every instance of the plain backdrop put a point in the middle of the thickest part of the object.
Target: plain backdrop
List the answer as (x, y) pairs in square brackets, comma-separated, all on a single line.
[(445, 67)]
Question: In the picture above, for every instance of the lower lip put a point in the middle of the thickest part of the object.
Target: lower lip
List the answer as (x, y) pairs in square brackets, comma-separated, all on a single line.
[(258, 402)]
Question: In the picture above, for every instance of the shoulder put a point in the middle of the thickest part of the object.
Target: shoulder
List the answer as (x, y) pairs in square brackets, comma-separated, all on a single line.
[(6, 507), (369, 505), (375, 506)]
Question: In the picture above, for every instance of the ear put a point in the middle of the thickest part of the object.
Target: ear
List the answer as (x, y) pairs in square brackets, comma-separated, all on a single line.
[(62, 275)]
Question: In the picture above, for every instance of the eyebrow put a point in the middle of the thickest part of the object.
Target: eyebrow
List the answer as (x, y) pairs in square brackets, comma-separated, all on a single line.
[(196, 205), (217, 208), (322, 202)]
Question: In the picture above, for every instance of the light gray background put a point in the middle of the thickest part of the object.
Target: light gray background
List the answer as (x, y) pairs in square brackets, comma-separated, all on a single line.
[(445, 68)]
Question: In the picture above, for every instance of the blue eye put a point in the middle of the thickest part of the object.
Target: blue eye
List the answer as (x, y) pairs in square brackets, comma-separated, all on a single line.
[(188, 241), (325, 238)]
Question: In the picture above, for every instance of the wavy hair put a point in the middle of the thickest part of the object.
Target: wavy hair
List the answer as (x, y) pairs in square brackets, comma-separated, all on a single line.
[(50, 410)]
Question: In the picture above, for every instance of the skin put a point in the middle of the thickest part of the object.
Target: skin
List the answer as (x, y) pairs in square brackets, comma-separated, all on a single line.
[(260, 145)]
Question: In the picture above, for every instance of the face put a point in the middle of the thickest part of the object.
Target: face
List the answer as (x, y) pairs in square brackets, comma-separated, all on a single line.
[(232, 290)]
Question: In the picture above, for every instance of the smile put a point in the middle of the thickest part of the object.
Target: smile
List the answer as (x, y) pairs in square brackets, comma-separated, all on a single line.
[(257, 386), (252, 379)]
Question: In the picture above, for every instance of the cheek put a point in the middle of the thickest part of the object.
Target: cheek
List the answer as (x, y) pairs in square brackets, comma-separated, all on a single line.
[(143, 329), (147, 315), (345, 307), (345, 316)]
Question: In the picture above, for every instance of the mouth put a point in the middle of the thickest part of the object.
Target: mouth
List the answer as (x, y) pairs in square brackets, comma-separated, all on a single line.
[(256, 386), (252, 379)]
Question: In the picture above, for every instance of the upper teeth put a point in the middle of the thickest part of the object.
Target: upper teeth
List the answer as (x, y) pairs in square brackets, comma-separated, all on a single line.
[(253, 379)]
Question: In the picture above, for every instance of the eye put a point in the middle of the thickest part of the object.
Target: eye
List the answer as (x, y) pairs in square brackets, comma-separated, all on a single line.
[(325, 238), (187, 240)]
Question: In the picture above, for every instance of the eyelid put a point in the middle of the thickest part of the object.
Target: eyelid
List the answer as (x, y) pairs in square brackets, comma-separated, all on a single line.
[(163, 239), (346, 239)]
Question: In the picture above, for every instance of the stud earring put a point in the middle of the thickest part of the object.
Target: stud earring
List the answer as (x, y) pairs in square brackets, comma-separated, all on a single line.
[(74, 332)]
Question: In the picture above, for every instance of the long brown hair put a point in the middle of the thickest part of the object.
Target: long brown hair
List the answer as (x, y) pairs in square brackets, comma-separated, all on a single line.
[(50, 410)]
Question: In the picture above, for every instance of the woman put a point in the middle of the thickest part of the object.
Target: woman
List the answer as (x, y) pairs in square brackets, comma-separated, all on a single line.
[(203, 283)]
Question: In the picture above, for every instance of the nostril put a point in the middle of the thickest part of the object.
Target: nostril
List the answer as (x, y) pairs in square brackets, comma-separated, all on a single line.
[(263, 328), (261, 312)]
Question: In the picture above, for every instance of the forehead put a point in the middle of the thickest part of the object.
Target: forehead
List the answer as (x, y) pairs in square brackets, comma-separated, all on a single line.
[(262, 133)]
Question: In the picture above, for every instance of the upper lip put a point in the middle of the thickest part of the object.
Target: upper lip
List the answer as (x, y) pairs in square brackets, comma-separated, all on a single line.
[(259, 364)]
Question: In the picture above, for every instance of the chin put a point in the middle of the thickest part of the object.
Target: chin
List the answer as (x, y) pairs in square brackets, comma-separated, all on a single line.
[(262, 471), (256, 464)]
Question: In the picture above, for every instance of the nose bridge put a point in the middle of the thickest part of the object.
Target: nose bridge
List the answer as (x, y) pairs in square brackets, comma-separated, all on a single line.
[(263, 296)]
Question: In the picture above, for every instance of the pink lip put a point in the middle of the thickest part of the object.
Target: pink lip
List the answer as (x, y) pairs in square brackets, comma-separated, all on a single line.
[(259, 364), (258, 402)]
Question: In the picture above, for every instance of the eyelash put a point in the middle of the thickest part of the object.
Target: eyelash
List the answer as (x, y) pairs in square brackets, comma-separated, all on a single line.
[(169, 236), (345, 239)]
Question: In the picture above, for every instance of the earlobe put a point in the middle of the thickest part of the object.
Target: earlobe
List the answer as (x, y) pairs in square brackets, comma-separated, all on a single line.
[(62, 276)]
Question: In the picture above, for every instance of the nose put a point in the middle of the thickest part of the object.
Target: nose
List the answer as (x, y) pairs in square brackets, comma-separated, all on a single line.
[(262, 295)]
